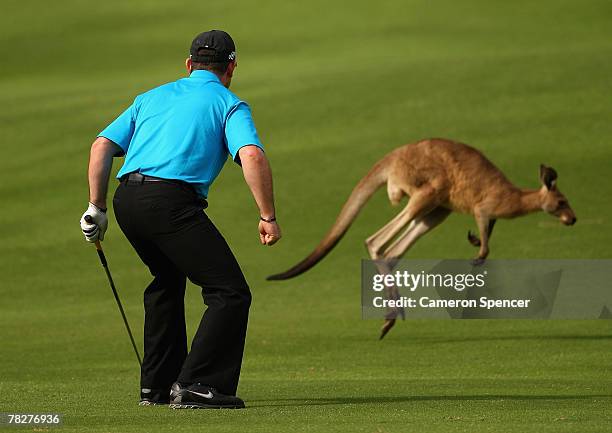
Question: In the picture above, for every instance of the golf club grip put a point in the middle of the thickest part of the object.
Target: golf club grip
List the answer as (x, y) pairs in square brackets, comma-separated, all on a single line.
[(89, 220)]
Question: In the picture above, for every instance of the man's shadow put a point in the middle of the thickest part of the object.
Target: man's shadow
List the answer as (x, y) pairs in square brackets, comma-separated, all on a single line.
[(289, 402)]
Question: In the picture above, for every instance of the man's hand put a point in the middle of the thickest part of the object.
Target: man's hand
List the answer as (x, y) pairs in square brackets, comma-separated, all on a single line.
[(94, 231), (269, 233)]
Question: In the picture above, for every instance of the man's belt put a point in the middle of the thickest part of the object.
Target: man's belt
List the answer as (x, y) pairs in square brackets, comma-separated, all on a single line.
[(139, 178)]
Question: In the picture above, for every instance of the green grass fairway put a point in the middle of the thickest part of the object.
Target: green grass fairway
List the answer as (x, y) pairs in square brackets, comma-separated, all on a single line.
[(333, 87)]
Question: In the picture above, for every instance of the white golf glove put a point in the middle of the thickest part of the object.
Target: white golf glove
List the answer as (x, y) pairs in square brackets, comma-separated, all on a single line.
[(95, 230)]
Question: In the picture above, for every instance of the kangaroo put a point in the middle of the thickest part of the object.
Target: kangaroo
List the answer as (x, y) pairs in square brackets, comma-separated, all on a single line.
[(439, 176)]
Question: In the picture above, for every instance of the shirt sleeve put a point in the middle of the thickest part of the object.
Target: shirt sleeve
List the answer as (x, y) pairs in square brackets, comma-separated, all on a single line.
[(121, 130), (240, 130)]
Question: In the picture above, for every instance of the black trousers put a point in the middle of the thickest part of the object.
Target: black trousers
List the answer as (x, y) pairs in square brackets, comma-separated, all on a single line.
[(166, 225)]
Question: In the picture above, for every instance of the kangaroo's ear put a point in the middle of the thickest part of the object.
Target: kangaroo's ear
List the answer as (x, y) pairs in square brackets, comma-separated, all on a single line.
[(548, 176)]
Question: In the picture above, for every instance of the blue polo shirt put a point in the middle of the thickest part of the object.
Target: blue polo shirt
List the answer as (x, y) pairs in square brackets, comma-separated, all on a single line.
[(183, 130)]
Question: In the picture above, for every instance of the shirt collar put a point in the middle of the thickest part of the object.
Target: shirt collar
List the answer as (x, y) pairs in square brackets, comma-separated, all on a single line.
[(203, 74)]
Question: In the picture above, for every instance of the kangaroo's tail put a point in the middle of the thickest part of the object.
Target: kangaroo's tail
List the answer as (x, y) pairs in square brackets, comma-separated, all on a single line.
[(360, 195)]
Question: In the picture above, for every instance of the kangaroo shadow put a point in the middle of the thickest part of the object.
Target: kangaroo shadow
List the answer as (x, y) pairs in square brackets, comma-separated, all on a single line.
[(516, 338)]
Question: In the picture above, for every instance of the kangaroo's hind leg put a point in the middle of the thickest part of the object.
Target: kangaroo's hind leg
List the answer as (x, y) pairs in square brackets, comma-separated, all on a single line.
[(402, 244), (422, 226), (421, 202)]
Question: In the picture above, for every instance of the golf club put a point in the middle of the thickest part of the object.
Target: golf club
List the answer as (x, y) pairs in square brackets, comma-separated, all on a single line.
[(89, 220)]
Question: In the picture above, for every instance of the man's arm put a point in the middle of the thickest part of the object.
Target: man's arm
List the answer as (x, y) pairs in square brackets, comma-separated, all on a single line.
[(100, 164), (258, 177)]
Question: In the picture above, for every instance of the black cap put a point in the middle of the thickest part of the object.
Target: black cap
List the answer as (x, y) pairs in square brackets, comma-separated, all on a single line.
[(215, 46)]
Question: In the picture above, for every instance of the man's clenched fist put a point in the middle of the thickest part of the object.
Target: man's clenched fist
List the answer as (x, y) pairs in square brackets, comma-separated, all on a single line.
[(95, 230), (269, 232)]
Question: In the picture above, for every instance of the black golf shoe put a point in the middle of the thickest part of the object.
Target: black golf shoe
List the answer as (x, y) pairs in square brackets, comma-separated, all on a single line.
[(199, 396), (175, 389), (154, 397)]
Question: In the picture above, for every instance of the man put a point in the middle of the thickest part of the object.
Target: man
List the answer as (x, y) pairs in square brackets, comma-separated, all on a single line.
[(176, 138)]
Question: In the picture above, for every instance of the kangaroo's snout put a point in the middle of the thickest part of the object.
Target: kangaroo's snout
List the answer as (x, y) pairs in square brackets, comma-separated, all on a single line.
[(568, 220)]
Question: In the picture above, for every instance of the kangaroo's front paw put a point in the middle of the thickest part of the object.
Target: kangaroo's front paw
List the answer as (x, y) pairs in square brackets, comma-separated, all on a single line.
[(473, 239)]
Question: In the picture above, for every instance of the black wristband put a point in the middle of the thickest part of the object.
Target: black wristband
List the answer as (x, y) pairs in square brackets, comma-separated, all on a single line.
[(271, 220)]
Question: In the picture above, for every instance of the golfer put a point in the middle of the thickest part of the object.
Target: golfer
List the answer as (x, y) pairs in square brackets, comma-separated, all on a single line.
[(176, 138)]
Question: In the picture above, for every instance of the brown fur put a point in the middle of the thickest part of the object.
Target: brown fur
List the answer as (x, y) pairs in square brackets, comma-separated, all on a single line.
[(440, 176)]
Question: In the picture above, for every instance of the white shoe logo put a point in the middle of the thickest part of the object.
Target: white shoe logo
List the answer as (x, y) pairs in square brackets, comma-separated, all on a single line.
[(207, 395)]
